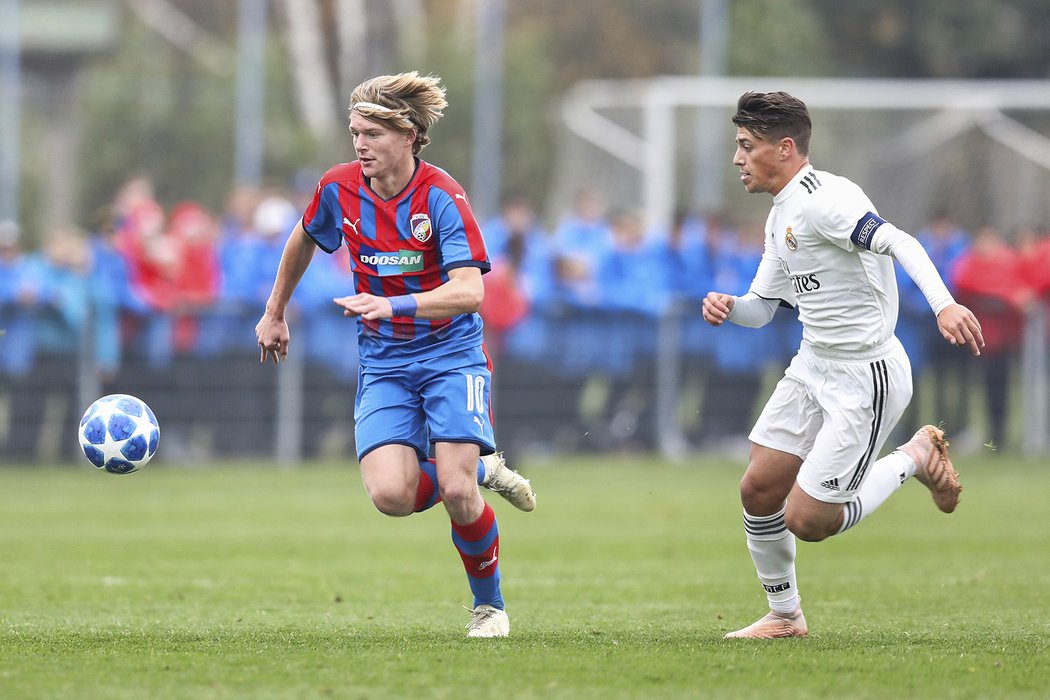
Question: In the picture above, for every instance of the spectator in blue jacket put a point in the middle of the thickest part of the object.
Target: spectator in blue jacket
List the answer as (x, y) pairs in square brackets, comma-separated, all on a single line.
[(19, 295), (740, 359), (946, 242)]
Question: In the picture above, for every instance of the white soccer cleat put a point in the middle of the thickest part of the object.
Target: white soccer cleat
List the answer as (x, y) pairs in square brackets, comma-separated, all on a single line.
[(774, 626), (487, 621), (507, 482), (928, 448)]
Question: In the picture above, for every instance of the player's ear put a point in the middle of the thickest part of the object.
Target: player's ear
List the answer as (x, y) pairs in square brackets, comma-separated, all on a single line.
[(786, 147)]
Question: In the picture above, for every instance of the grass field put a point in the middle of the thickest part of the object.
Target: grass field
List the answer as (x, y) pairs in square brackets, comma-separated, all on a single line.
[(256, 582)]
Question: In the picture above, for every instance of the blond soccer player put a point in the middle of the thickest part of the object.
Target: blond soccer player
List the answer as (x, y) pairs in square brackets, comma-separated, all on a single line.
[(417, 255)]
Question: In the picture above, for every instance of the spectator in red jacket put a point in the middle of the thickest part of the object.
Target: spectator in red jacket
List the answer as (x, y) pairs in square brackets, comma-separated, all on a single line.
[(140, 238), (1035, 251), (192, 236), (506, 302), (989, 279)]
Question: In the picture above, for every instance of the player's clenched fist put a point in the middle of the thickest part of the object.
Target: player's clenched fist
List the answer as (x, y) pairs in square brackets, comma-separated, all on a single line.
[(717, 307)]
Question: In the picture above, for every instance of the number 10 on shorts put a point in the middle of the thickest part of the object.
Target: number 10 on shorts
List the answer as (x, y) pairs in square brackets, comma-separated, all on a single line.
[(475, 393)]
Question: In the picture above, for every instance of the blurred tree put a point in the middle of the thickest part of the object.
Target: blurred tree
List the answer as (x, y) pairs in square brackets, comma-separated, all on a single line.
[(315, 89), (163, 104), (931, 39), (529, 102), (151, 107), (623, 39), (778, 38)]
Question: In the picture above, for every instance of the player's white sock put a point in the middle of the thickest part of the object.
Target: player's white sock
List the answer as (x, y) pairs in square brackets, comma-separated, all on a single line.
[(772, 548), (886, 476)]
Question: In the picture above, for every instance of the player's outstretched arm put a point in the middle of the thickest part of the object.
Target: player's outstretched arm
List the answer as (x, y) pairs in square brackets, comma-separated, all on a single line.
[(367, 306), (960, 327), (461, 294), (271, 332), (717, 307)]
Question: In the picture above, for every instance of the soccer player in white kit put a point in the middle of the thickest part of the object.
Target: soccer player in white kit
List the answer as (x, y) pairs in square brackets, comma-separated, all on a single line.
[(813, 471)]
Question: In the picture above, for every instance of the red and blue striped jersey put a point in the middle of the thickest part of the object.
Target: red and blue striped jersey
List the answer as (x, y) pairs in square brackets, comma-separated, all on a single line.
[(403, 245)]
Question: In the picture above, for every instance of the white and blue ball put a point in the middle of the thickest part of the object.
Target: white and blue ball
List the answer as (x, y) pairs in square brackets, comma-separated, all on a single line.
[(119, 433)]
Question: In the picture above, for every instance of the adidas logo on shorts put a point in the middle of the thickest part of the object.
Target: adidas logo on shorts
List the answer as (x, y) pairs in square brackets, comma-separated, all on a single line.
[(831, 484)]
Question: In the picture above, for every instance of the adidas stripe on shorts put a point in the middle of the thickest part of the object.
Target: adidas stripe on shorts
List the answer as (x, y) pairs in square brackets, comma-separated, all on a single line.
[(835, 411)]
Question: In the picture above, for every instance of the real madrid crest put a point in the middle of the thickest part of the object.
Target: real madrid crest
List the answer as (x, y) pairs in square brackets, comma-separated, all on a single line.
[(790, 241), (421, 228)]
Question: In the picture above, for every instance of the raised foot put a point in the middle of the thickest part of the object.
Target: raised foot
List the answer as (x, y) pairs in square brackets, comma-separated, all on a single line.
[(928, 448), (508, 483)]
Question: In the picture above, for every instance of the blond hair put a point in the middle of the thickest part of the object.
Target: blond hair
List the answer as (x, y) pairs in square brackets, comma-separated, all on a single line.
[(406, 102)]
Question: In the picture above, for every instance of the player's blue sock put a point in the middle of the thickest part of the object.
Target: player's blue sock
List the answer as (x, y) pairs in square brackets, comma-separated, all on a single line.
[(428, 494), (478, 546)]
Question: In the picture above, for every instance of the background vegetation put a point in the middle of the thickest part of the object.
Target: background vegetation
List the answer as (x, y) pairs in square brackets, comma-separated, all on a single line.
[(147, 105)]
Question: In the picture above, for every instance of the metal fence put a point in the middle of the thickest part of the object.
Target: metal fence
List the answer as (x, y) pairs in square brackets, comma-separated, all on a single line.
[(572, 381)]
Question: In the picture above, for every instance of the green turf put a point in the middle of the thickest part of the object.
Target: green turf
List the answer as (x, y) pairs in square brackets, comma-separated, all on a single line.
[(253, 582)]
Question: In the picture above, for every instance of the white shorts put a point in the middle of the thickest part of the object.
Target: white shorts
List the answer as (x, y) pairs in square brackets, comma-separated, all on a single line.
[(836, 415)]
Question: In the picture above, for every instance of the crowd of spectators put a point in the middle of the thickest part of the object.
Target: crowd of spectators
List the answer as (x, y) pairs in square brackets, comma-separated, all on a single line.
[(589, 302), (577, 315)]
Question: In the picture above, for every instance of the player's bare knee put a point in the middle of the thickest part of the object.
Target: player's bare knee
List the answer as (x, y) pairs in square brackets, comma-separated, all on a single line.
[(393, 503), (458, 491), (758, 497), (806, 529)]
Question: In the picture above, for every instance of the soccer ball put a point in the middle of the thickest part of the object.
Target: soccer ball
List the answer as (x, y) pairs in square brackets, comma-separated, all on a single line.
[(119, 433)]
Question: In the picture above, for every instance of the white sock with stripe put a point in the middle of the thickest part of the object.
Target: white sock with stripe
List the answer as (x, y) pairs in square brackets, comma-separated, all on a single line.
[(772, 548), (885, 477)]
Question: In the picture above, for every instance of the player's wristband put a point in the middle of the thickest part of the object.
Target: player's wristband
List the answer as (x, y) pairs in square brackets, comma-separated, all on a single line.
[(404, 305)]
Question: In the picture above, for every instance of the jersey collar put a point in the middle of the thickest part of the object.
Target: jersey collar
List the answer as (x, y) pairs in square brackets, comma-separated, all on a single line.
[(792, 186), (408, 186)]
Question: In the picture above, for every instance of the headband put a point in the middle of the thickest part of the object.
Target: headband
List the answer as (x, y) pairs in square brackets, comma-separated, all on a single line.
[(374, 107)]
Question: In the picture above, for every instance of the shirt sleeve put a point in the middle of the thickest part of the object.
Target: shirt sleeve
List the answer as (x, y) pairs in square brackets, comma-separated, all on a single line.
[(770, 281), (843, 214), (752, 310), (321, 220), (890, 240), (459, 237)]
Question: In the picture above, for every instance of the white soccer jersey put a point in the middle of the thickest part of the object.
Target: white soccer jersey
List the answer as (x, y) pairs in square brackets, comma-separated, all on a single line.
[(816, 257)]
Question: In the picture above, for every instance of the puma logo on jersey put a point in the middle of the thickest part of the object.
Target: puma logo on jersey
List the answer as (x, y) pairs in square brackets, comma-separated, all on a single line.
[(461, 196), (491, 562), (351, 224)]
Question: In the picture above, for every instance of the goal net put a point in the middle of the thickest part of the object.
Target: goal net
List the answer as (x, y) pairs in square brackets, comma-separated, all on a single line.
[(980, 149)]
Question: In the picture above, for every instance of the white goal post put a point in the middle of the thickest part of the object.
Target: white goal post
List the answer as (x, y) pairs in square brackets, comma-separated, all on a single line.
[(954, 106)]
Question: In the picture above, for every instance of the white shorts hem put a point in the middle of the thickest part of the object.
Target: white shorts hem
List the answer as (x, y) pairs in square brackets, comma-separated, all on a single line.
[(763, 441), (823, 496)]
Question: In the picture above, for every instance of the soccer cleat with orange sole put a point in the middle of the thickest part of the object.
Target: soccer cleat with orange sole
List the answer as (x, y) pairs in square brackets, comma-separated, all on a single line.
[(928, 448), (774, 625)]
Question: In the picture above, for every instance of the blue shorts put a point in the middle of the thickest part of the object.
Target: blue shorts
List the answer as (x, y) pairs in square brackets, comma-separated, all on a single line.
[(444, 399)]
